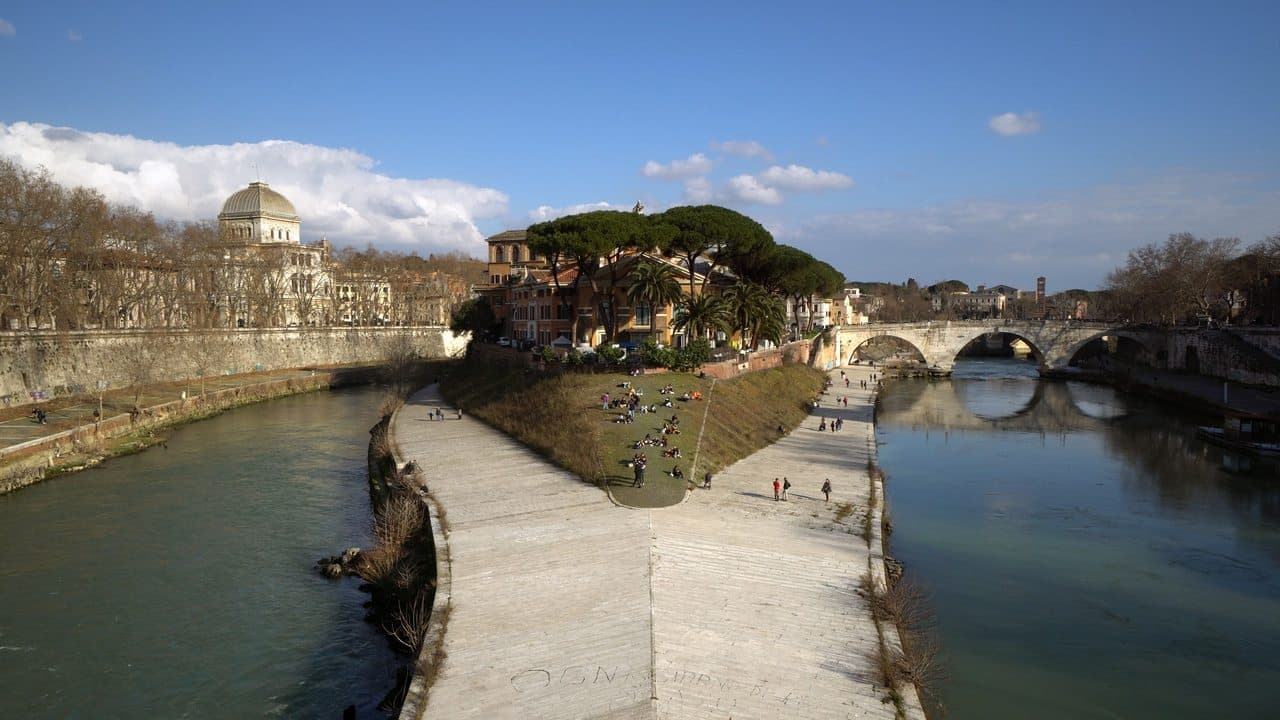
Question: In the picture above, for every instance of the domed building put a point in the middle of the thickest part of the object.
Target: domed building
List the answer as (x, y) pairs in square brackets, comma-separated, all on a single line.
[(286, 282), (258, 214)]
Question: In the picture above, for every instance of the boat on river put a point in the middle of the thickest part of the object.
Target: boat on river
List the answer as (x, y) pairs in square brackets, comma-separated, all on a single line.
[(1244, 432)]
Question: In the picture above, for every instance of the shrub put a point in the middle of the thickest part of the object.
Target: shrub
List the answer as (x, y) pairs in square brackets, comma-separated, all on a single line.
[(609, 354), (655, 355), (692, 355)]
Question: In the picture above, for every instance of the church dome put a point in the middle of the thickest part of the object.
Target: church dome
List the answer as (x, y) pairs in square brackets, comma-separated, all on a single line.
[(258, 199)]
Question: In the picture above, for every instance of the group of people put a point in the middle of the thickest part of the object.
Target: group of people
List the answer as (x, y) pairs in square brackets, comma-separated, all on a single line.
[(835, 424), (780, 488), (39, 415), (630, 400)]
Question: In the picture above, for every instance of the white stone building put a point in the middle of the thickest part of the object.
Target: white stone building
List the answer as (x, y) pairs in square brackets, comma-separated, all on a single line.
[(281, 280)]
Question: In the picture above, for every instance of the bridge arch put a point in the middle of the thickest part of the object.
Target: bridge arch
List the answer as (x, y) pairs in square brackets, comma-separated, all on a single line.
[(854, 353), (1036, 352), (1070, 353)]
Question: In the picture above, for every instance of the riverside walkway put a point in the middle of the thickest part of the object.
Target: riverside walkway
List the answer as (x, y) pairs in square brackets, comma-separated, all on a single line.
[(729, 605)]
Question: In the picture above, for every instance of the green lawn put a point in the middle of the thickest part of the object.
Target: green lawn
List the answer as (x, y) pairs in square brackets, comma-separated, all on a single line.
[(560, 416), (616, 439)]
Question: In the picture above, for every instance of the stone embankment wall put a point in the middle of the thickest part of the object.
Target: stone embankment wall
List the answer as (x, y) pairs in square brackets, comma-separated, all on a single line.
[(29, 462), (814, 352), (72, 363), (1247, 357)]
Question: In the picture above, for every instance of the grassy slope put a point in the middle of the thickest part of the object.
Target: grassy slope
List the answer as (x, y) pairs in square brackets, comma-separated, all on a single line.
[(560, 417)]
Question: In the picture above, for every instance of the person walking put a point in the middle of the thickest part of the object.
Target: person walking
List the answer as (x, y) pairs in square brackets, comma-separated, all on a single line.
[(786, 485), (706, 481), (826, 489), (777, 488)]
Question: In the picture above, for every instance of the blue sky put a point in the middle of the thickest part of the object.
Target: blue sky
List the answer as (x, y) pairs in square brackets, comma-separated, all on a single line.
[(990, 142)]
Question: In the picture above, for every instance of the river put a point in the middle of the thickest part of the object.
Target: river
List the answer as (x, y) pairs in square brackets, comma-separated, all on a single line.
[(178, 582), (1085, 554)]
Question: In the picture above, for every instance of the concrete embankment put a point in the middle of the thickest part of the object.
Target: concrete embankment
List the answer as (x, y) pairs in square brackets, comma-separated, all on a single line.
[(555, 603), (84, 445)]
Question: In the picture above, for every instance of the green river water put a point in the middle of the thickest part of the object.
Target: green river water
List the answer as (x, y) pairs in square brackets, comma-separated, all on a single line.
[(1087, 556), (178, 582)]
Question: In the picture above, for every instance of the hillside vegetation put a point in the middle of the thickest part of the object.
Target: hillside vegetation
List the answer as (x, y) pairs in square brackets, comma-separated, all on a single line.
[(561, 417)]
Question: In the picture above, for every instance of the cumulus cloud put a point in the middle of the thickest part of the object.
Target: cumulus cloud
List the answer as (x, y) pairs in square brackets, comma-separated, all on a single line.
[(695, 164), (698, 190), (1074, 238), (1009, 124), (74, 36), (336, 191), (7, 28), (743, 148), (750, 190), (798, 177), (543, 213)]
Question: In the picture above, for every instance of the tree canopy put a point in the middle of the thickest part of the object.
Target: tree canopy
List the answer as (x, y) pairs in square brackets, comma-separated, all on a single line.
[(728, 237), (1169, 282)]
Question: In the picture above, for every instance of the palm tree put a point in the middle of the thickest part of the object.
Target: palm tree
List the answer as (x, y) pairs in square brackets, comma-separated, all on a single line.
[(748, 303), (702, 313), (653, 284), (771, 324)]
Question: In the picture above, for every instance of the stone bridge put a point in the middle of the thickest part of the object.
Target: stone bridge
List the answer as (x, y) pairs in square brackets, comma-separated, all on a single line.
[(1054, 342)]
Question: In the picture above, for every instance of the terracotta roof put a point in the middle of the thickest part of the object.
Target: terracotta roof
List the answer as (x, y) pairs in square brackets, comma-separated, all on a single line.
[(507, 236)]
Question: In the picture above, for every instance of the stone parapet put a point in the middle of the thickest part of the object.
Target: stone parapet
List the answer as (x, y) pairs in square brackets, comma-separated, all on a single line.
[(74, 362)]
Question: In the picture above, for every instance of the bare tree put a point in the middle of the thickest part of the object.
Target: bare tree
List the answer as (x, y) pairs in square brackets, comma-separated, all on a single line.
[(1166, 283)]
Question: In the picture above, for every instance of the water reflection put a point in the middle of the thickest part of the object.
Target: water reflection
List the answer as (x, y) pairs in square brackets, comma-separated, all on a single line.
[(1088, 555), (1010, 399)]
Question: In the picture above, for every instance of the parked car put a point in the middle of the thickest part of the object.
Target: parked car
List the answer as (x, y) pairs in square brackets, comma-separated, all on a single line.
[(504, 342)]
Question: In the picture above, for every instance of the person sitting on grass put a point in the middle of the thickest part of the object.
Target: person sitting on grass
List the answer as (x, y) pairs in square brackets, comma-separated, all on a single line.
[(676, 473)]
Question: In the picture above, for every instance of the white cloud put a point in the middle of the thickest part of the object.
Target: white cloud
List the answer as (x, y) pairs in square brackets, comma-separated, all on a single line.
[(697, 190), (695, 164), (748, 189), (336, 191), (7, 28), (1074, 238), (1009, 124), (743, 148), (798, 177), (74, 36), (545, 212)]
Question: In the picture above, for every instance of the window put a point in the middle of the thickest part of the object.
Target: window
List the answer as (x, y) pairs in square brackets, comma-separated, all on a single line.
[(499, 255), (644, 314)]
